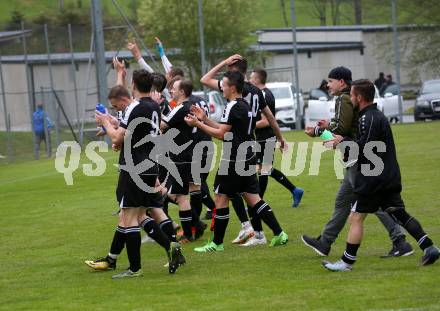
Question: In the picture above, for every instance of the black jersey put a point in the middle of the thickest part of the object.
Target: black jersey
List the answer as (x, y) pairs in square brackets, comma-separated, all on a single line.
[(253, 97), (251, 93), (176, 119), (375, 128), (236, 113), (266, 132), (144, 108), (164, 106), (198, 134)]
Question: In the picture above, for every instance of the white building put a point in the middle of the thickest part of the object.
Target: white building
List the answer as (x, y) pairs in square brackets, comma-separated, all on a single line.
[(366, 50)]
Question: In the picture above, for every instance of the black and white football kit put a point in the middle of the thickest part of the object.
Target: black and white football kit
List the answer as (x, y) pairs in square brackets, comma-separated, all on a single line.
[(237, 113), (200, 136), (176, 119), (266, 136), (128, 193)]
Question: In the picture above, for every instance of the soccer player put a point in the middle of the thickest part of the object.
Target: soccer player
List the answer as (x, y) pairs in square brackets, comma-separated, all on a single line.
[(159, 85), (254, 97), (159, 215), (237, 171), (179, 191), (134, 201), (266, 138), (345, 123), (202, 196), (377, 183)]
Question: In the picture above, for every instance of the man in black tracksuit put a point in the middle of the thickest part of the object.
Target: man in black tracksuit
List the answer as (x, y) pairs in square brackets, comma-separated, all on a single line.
[(345, 124), (377, 182)]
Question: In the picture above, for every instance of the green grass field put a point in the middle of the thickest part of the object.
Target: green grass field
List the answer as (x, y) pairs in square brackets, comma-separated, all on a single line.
[(49, 229), (267, 13)]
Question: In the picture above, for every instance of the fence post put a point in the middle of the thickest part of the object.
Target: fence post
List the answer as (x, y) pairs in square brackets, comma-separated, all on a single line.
[(29, 88), (6, 114), (49, 63)]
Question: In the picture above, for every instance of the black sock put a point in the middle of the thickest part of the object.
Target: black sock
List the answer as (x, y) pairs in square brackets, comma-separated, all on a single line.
[(282, 179), (255, 220), (167, 227), (206, 196), (186, 221), (221, 222), (263, 210), (262, 181), (196, 201), (349, 255), (133, 242), (153, 230), (117, 243), (240, 210), (413, 227)]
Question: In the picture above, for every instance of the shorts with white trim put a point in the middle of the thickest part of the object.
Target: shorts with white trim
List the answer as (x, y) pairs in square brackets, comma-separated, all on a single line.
[(128, 194), (371, 203), (184, 171), (233, 183)]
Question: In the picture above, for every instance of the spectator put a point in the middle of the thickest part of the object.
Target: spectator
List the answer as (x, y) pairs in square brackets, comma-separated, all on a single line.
[(42, 126), (323, 87), (380, 81), (388, 81)]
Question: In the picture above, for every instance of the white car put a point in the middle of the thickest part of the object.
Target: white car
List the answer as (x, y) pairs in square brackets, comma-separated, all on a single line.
[(285, 103), (324, 109)]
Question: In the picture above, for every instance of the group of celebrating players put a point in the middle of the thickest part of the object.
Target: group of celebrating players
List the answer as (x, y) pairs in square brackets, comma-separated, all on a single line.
[(161, 111)]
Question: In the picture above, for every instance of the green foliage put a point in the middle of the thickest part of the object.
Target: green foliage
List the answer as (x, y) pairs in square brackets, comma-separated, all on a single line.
[(16, 18), (228, 24)]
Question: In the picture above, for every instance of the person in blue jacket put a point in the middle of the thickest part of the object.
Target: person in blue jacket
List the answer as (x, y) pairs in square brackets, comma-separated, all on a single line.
[(42, 127)]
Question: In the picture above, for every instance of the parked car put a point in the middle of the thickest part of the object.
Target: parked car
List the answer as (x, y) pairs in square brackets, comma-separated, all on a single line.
[(216, 103), (427, 105), (285, 103), (324, 109), (317, 94)]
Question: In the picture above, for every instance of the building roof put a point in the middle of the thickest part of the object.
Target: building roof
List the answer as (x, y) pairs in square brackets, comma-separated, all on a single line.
[(363, 28), (307, 47)]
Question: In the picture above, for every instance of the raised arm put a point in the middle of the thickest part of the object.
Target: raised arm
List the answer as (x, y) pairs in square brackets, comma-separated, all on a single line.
[(165, 62), (120, 71), (209, 78), (134, 49)]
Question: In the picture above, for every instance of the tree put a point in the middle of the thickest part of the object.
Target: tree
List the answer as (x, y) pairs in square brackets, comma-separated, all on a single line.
[(319, 10), (335, 6), (15, 22), (420, 47), (228, 24), (357, 12), (283, 12)]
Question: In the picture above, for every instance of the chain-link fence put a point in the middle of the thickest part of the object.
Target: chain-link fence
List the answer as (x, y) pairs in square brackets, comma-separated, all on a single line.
[(48, 92)]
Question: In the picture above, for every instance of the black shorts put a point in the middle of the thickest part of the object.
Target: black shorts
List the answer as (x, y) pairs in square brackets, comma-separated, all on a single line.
[(265, 157), (205, 163), (232, 183), (371, 203), (184, 171), (128, 194)]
